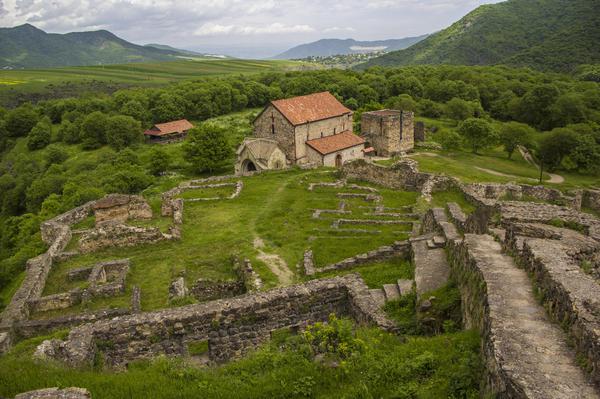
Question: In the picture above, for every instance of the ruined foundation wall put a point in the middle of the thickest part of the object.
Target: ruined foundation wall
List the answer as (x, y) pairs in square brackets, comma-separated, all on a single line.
[(232, 327), (571, 296)]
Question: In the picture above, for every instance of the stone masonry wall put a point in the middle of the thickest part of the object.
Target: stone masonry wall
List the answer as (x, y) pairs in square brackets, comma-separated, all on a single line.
[(571, 296), (231, 326), (284, 131)]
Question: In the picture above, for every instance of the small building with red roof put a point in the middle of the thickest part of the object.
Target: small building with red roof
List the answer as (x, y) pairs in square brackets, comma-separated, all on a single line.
[(312, 129), (168, 132)]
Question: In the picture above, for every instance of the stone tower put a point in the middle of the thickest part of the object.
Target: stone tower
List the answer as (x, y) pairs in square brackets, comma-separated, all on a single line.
[(389, 131)]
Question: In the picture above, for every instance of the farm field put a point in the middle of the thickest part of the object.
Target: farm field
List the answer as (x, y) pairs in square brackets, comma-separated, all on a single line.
[(72, 81)]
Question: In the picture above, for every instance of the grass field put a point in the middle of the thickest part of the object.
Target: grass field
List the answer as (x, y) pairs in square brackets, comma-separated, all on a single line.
[(88, 78), (276, 207)]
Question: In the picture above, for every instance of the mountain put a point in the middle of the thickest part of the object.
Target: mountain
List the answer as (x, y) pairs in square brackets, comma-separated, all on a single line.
[(189, 53), (26, 46), (543, 34), (328, 47)]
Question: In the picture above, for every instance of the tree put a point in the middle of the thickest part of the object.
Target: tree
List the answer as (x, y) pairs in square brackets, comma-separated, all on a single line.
[(122, 131), (55, 155), (69, 132), (21, 120), (136, 110), (477, 133), (159, 161), (459, 109), (403, 102), (93, 130), (206, 148), (555, 146), (449, 140), (515, 134), (39, 136)]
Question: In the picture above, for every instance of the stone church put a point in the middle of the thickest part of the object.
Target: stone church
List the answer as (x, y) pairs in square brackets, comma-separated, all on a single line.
[(315, 129)]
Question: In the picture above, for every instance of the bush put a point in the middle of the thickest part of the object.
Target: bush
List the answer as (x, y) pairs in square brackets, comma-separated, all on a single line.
[(39, 136), (159, 162), (450, 140), (335, 337), (206, 148)]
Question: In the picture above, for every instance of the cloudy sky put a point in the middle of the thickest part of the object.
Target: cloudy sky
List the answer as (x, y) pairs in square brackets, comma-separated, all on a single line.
[(258, 28)]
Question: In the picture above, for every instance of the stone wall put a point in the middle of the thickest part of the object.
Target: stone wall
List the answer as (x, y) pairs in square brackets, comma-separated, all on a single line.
[(231, 326), (388, 131), (35, 327), (114, 234), (591, 199), (403, 175), (419, 132), (570, 295), (283, 131), (397, 249), (121, 207), (56, 393), (206, 290)]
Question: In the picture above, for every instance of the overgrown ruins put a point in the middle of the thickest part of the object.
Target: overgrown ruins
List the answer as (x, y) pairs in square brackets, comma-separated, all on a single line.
[(527, 271)]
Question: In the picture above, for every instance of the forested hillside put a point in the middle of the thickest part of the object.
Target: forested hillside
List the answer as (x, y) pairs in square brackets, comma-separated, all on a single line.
[(543, 34), (26, 46), (61, 153)]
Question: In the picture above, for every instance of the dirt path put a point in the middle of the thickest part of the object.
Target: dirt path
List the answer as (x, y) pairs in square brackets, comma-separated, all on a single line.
[(493, 172), (554, 178), (274, 262)]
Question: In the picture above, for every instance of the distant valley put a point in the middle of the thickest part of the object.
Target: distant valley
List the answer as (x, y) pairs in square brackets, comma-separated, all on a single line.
[(331, 47)]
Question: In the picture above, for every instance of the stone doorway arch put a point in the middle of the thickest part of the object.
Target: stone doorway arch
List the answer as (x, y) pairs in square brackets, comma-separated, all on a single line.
[(248, 166), (338, 161)]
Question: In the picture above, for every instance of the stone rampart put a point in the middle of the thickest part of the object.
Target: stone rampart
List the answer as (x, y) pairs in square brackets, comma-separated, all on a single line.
[(231, 327), (56, 393), (570, 295)]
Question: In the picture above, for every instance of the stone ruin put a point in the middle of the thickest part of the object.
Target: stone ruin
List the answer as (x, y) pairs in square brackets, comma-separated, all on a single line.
[(173, 206), (205, 290), (231, 326), (56, 393), (526, 353), (121, 208), (104, 278)]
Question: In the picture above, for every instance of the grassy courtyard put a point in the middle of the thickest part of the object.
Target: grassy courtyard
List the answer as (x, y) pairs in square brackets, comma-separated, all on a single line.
[(275, 207)]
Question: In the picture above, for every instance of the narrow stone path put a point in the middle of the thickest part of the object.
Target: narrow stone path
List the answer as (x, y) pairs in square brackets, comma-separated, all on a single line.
[(431, 267), (532, 351), (274, 262), (554, 178)]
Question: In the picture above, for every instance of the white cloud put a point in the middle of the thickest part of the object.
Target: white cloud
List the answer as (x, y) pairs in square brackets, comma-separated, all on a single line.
[(335, 29), (211, 29)]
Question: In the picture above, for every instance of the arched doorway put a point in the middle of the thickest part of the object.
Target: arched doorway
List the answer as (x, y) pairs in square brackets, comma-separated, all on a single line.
[(248, 166), (338, 161)]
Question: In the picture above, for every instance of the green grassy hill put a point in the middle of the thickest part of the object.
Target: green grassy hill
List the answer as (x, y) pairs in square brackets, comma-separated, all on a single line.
[(26, 46), (543, 34)]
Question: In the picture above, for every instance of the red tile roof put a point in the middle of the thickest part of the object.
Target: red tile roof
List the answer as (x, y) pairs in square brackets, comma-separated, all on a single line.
[(337, 142), (310, 108), (160, 129)]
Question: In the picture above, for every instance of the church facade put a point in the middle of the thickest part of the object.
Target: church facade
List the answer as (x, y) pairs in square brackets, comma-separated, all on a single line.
[(315, 129)]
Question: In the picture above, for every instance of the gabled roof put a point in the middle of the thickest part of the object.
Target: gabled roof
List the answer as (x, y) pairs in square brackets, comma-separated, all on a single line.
[(310, 108), (337, 142), (161, 129)]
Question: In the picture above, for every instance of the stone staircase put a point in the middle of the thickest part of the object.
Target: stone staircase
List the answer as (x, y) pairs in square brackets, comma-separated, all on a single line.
[(431, 267), (391, 292)]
